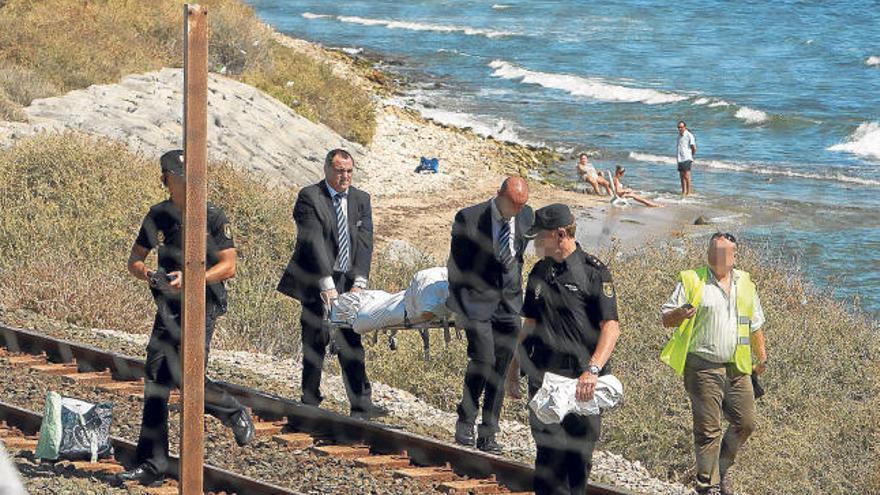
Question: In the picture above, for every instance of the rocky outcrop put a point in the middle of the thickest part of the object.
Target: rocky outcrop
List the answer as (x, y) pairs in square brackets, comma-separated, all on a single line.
[(246, 127)]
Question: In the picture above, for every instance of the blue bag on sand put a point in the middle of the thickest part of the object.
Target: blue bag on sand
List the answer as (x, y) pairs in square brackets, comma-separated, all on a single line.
[(430, 165)]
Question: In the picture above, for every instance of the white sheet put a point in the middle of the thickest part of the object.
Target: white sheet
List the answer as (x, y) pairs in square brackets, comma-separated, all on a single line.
[(556, 397)]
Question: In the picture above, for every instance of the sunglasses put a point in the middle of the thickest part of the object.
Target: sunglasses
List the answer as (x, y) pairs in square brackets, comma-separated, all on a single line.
[(726, 235)]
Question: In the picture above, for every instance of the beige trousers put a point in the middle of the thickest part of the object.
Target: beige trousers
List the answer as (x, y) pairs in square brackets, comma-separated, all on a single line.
[(715, 389)]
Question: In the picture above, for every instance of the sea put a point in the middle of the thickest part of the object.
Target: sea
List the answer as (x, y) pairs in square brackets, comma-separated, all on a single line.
[(782, 97)]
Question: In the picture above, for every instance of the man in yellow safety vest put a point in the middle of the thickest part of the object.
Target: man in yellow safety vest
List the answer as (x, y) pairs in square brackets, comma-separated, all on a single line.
[(718, 316)]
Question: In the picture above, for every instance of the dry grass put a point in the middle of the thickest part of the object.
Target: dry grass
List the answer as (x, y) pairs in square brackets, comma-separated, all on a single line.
[(54, 46), (70, 208)]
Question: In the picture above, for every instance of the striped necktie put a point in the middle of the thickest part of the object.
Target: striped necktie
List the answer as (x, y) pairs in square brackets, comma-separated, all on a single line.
[(344, 241), (504, 244)]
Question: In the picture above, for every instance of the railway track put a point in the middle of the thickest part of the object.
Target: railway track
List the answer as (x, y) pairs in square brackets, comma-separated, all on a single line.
[(446, 467)]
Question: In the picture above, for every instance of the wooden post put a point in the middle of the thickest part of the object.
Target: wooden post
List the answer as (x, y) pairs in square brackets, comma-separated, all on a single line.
[(195, 134)]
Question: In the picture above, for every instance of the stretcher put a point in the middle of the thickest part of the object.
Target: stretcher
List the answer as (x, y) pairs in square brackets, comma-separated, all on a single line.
[(447, 323), (421, 307)]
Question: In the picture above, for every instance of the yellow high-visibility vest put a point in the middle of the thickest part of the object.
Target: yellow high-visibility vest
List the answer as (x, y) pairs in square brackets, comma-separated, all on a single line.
[(675, 352)]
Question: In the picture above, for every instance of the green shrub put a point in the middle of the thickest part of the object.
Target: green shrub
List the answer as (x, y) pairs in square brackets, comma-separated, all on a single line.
[(54, 46), (316, 93)]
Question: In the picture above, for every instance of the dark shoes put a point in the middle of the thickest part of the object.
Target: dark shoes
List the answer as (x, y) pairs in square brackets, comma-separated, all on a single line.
[(371, 413), (243, 428), (464, 434), (143, 474), (488, 444)]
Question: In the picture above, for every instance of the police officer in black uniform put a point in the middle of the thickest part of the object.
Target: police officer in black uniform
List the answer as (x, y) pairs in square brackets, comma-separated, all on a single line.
[(162, 229), (570, 329)]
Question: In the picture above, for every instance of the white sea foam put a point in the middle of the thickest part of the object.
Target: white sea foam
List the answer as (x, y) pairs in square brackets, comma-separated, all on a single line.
[(759, 169), (865, 141), (581, 86), (499, 129), (353, 51), (309, 15), (751, 116), (500, 6), (873, 60), (710, 102), (419, 26)]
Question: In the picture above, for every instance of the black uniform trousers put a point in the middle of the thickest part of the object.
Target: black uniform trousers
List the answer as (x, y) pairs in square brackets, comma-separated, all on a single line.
[(564, 451), (316, 336), (161, 372), (490, 349)]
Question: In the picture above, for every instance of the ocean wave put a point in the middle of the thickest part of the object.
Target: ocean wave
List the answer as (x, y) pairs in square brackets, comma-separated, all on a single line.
[(751, 116), (412, 26), (500, 6), (710, 102), (759, 169), (865, 141), (873, 60), (499, 129), (309, 15), (581, 86)]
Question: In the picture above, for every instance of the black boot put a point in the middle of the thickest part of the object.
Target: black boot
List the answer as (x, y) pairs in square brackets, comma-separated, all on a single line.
[(488, 444), (464, 434), (243, 428), (143, 474)]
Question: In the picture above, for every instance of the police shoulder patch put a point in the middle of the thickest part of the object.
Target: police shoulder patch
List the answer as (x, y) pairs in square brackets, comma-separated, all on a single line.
[(160, 237), (608, 289), (227, 231)]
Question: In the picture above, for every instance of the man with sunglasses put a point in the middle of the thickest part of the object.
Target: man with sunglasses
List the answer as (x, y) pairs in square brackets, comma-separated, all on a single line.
[(718, 343), (686, 148)]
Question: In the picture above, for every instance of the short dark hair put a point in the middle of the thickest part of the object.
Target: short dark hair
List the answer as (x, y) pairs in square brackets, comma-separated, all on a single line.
[(582, 155), (328, 160), (619, 170), (682, 123), (726, 235)]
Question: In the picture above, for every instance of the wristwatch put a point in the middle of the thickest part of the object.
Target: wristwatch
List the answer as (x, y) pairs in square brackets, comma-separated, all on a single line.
[(594, 370)]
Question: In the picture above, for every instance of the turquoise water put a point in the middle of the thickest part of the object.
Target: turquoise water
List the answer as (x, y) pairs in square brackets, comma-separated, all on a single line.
[(781, 96)]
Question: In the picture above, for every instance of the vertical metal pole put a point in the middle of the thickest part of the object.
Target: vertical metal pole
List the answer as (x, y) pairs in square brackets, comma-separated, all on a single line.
[(195, 132)]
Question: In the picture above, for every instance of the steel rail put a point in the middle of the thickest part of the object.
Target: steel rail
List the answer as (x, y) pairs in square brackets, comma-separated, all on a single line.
[(216, 479), (381, 438)]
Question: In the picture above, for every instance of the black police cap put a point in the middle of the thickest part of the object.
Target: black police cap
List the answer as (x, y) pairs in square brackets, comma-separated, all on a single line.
[(551, 217), (172, 162)]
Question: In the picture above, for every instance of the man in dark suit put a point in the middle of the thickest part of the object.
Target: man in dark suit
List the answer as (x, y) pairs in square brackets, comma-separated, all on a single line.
[(485, 293), (333, 253)]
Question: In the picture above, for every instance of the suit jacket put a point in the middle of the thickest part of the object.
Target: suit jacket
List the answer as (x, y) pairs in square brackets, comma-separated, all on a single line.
[(478, 281), (316, 240)]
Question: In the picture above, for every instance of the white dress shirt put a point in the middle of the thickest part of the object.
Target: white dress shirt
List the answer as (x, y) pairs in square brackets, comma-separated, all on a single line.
[(326, 283), (497, 220), (715, 331)]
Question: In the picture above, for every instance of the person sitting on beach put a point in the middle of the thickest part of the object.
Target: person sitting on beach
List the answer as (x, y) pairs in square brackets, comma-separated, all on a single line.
[(627, 193), (589, 174)]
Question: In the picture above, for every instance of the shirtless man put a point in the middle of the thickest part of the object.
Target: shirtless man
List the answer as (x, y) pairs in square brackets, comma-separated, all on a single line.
[(589, 174)]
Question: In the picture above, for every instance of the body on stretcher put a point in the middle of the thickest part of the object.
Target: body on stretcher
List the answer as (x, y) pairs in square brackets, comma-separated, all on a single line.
[(421, 306)]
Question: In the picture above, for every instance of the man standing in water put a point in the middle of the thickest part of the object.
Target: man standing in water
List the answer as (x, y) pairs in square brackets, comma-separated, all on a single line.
[(685, 151)]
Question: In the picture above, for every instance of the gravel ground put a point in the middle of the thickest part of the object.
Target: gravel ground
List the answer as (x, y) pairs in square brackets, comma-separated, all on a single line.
[(281, 377)]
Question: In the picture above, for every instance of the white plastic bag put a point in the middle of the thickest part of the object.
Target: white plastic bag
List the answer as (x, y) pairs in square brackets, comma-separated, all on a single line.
[(368, 310), (556, 397), (426, 294)]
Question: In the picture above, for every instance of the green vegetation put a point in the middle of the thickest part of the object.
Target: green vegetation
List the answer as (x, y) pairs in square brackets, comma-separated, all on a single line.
[(70, 208), (53, 46)]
